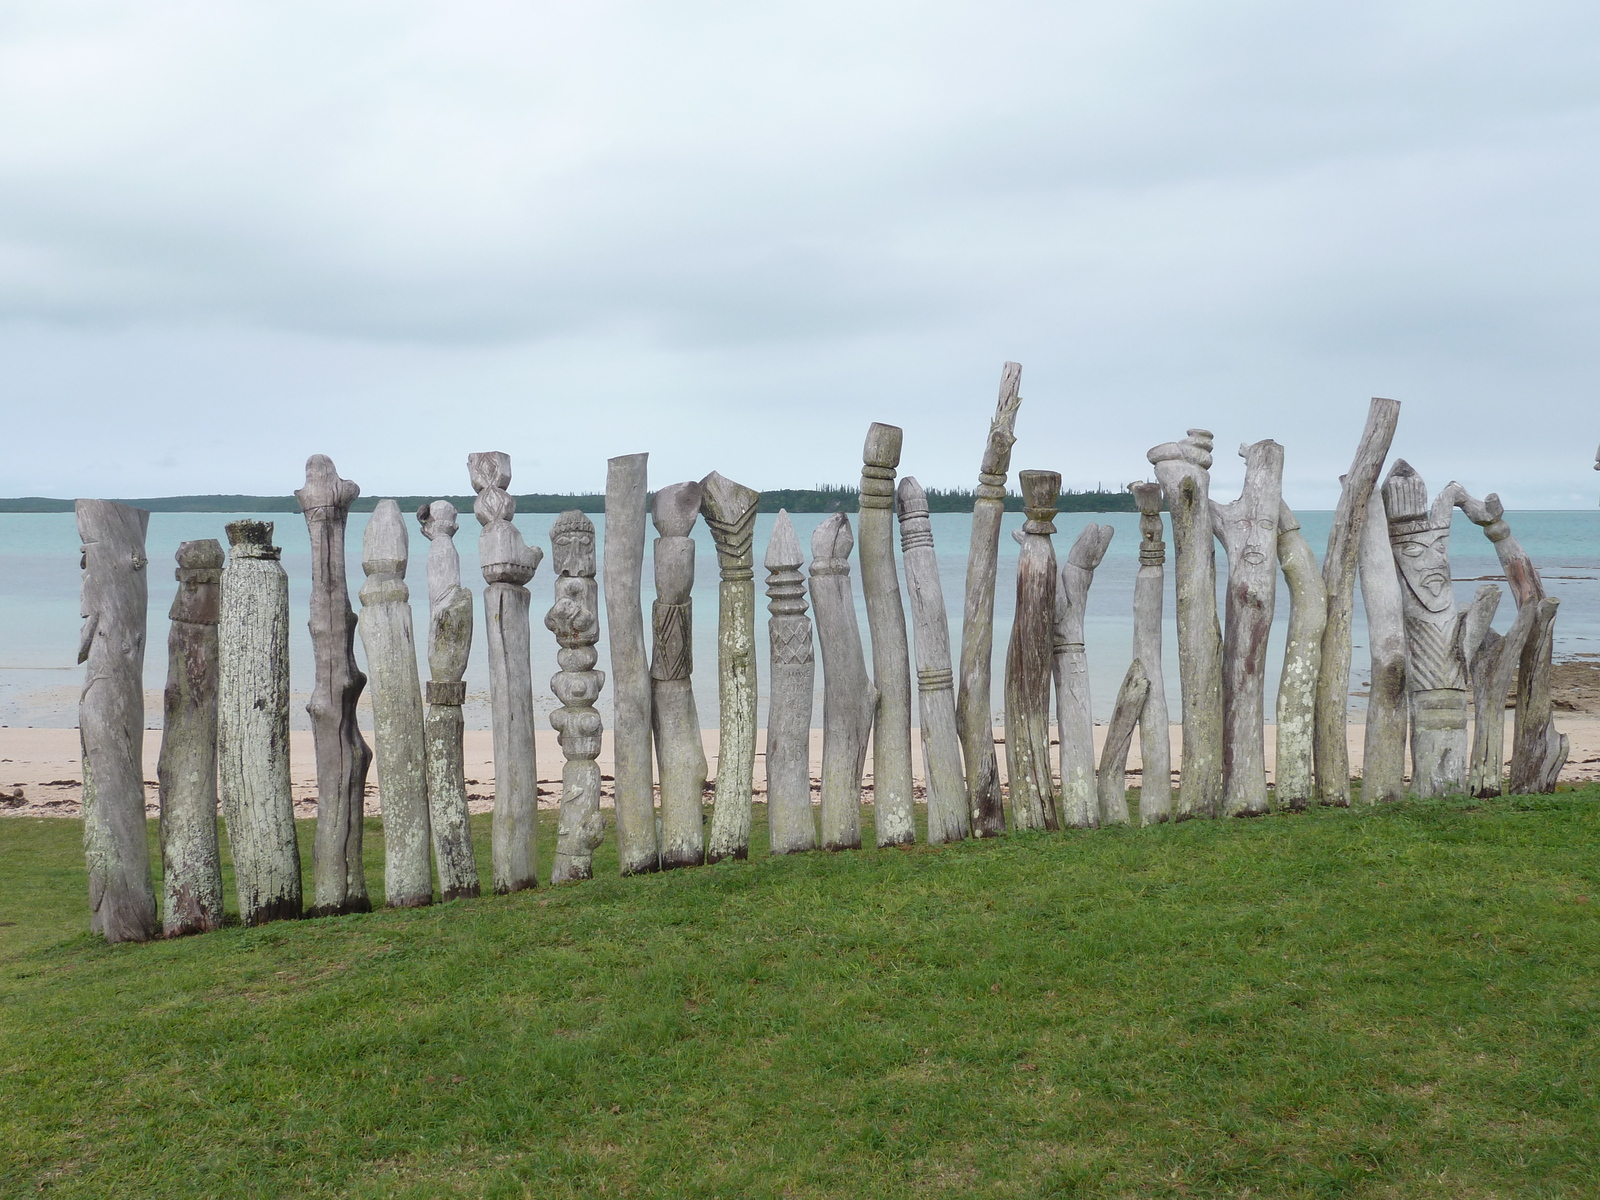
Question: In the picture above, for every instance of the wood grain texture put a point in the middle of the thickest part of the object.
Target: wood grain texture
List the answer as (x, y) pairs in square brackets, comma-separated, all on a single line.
[(1111, 779), (680, 754), (792, 826), (848, 697), (637, 849), (1384, 746), (1030, 657), (1295, 777), (1079, 805), (1155, 747)]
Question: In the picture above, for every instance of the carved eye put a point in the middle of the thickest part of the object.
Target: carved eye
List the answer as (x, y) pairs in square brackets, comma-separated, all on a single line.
[(1269, 524), (1411, 550)]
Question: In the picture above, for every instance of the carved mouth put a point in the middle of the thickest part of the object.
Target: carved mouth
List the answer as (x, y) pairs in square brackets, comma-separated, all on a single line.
[(1254, 557)]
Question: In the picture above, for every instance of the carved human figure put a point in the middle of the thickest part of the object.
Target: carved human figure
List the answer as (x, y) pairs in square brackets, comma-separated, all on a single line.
[(1155, 746), (626, 479), (1080, 807), (575, 620), (449, 644), (115, 596), (508, 564), (1029, 659), (1295, 776), (791, 825), (848, 697), (680, 754)]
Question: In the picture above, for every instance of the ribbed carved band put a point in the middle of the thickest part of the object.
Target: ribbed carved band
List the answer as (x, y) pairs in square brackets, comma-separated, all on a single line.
[(934, 680)]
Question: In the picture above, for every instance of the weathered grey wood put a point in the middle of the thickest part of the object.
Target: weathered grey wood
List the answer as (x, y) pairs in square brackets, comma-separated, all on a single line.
[(1537, 751), (680, 754), (1029, 659), (1295, 776), (116, 600), (1436, 672), (1080, 809), (397, 722), (253, 726), (1183, 469), (791, 824), (1384, 740), (508, 564), (948, 819), (186, 772), (848, 697), (892, 797), (730, 512), (339, 879), (449, 644), (1491, 663), (1155, 747), (1339, 566), (974, 709), (1248, 530), (637, 850), (575, 620), (1111, 780)]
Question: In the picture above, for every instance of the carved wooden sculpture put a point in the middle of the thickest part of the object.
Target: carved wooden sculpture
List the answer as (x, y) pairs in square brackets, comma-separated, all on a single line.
[(791, 824), (339, 880), (630, 671), (116, 598), (508, 563), (1436, 673), (253, 726), (948, 820), (1339, 580), (397, 723), (449, 644), (1183, 469), (1295, 777), (1155, 747), (575, 620), (892, 798), (1491, 664), (1029, 659), (1248, 530), (1112, 807), (191, 865), (1383, 753), (1080, 808), (680, 754), (974, 711), (730, 513), (848, 697)]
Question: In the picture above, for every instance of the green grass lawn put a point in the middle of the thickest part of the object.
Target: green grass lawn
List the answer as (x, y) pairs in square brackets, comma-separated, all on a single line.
[(1395, 1003)]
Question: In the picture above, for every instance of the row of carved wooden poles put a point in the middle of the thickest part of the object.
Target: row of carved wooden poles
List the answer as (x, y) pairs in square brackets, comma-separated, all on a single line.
[(227, 698)]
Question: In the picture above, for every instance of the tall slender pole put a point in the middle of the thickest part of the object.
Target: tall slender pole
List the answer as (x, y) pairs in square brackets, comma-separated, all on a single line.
[(637, 850), (575, 620), (1080, 807), (1029, 658), (680, 754), (791, 825), (1155, 737), (1295, 782), (1383, 753), (848, 697)]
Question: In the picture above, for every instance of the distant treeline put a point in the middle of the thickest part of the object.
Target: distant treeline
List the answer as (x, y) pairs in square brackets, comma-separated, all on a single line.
[(796, 500)]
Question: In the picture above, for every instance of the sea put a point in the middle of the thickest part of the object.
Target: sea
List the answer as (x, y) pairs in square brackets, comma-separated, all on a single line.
[(40, 620)]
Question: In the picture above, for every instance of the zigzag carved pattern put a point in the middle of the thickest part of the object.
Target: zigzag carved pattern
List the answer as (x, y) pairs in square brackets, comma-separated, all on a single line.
[(1432, 657)]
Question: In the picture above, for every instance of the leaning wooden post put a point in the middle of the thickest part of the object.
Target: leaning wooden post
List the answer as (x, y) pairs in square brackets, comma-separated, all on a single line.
[(1339, 580), (974, 711), (1111, 780), (191, 865), (892, 797), (730, 512), (339, 878), (791, 824), (449, 644), (1155, 745), (575, 620), (1248, 528), (1029, 659), (948, 820), (634, 788), (116, 599), (1491, 663), (1436, 673), (848, 697), (680, 754), (1183, 469), (1383, 755), (253, 726), (508, 564), (1295, 777), (1080, 808)]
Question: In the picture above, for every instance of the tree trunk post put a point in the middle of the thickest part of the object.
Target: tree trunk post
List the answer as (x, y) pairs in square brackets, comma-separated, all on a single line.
[(1112, 781), (848, 697), (575, 620), (253, 726), (191, 865), (449, 645), (116, 602), (1383, 753), (1080, 807), (730, 512), (974, 710), (1491, 662), (339, 878), (791, 824), (1302, 662), (1183, 469), (948, 819), (637, 850), (680, 754), (1155, 745), (1029, 659), (508, 564)]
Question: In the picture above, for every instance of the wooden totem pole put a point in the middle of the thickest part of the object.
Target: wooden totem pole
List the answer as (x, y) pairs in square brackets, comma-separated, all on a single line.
[(1383, 755), (1029, 659), (1295, 781), (1155, 745), (1080, 808), (116, 600), (575, 620), (848, 697), (191, 865), (792, 674), (626, 478), (680, 754)]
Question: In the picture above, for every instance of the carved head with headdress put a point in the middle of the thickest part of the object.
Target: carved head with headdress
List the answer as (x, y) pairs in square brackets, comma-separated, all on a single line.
[(1420, 535)]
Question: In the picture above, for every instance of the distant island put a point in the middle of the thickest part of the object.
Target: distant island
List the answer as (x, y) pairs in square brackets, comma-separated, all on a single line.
[(796, 500)]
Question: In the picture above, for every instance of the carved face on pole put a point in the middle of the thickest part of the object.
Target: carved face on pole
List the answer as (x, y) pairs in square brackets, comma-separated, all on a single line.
[(572, 545), (1260, 536), (1424, 562)]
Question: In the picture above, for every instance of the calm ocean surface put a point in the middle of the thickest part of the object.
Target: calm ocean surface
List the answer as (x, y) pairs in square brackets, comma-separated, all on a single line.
[(39, 619)]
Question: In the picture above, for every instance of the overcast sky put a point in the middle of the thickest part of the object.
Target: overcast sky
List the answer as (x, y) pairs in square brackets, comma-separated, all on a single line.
[(732, 234)]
